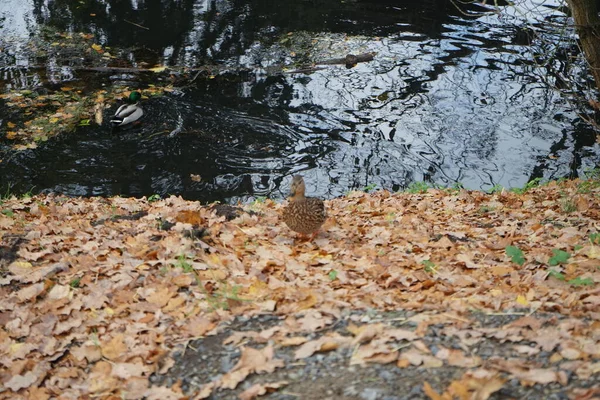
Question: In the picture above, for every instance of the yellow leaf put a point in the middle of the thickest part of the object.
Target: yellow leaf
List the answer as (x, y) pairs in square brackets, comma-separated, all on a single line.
[(22, 264), (593, 253), (522, 300), (53, 120), (97, 47), (66, 89), (258, 289), (11, 134), (158, 69), (10, 125)]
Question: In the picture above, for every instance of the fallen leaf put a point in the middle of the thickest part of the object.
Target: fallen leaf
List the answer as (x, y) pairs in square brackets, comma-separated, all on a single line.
[(115, 348), (430, 392), (260, 389)]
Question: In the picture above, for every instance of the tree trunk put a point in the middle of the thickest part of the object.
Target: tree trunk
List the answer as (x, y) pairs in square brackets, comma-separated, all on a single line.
[(587, 23)]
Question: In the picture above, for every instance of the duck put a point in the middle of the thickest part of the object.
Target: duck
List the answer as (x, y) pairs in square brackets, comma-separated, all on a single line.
[(302, 214), (128, 113)]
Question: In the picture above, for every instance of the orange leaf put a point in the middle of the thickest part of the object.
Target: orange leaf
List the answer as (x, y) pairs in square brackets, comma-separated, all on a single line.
[(432, 394)]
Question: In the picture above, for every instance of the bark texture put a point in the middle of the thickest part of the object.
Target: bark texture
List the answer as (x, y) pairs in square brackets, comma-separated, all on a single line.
[(587, 22)]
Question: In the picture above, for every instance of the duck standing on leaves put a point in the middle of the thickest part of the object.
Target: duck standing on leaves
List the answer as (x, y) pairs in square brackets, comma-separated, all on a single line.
[(304, 215), (128, 113)]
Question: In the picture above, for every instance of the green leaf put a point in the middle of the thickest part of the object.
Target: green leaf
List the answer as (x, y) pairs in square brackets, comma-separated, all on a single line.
[(579, 281), (555, 274), (595, 238), (558, 257), (515, 254), (429, 266), (333, 274), (183, 264), (8, 213), (370, 187)]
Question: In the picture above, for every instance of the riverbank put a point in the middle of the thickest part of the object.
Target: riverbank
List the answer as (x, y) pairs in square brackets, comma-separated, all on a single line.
[(468, 293)]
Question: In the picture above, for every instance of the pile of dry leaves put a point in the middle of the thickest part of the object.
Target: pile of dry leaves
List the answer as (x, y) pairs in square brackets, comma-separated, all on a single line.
[(95, 294)]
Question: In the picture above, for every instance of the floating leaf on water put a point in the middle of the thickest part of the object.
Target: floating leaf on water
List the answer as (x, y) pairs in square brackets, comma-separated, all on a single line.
[(158, 69)]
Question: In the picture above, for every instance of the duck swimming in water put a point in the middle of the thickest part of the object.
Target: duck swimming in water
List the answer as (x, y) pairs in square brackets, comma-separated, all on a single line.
[(128, 113)]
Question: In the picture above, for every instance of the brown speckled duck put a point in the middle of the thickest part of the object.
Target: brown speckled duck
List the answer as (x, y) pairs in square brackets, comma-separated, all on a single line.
[(304, 215)]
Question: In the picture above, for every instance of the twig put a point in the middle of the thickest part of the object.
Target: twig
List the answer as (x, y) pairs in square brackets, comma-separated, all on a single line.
[(139, 26), (507, 313), (456, 317)]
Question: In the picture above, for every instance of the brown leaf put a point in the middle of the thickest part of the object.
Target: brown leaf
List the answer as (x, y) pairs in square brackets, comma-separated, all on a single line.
[(457, 358), (293, 341), (198, 326), (161, 296), (323, 344), (416, 357), (366, 333), (128, 370), (163, 393), (251, 361), (585, 394), (538, 375), (260, 389), (190, 217), (37, 393), (18, 382), (430, 392), (30, 292), (488, 387), (59, 292), (373, 353), (499, 243), (115, 348), (88, 350)]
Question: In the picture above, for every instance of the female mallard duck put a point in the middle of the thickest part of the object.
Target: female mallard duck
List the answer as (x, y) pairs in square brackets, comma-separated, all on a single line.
[(128, 113), (304, 215)]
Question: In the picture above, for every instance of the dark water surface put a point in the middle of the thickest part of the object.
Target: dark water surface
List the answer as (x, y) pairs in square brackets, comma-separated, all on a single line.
[(453, 96)]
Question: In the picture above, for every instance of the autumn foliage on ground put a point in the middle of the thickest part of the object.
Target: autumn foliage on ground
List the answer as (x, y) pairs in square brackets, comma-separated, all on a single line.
[(96, 294)]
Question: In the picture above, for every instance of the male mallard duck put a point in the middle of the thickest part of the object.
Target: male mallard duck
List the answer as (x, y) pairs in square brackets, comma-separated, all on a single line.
[(304, 215), (128, 113)]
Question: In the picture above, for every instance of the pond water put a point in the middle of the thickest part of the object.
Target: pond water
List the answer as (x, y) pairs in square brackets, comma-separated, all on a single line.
[(453, 96)]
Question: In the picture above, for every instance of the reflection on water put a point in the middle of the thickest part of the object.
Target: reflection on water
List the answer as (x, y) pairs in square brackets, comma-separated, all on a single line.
[(449, 98)]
